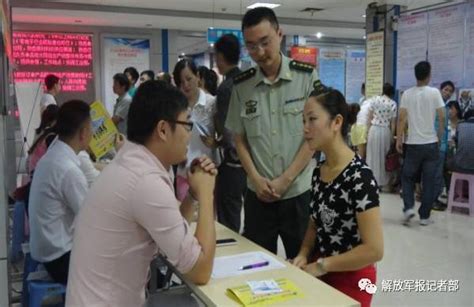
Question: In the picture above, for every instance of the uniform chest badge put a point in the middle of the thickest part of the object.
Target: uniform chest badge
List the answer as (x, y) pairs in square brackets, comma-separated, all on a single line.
[(250, 107)]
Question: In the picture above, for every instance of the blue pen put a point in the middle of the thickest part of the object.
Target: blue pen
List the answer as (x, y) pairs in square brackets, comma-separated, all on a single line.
[(255, 265)]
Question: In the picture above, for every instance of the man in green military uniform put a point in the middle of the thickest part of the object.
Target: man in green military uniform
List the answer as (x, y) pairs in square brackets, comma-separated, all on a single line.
[(265, 115)]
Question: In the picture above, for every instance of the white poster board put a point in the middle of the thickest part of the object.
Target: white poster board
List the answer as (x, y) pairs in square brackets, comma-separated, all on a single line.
[(374, 64), (355, 74), (412, 47), (28, 96), (445, 45), (118, 54)]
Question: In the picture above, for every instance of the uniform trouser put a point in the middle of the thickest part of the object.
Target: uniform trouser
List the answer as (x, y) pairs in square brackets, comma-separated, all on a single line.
[(231, 184), (287, 218)]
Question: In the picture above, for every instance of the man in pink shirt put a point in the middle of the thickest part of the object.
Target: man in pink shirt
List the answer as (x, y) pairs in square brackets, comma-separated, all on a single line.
[(131, 212)]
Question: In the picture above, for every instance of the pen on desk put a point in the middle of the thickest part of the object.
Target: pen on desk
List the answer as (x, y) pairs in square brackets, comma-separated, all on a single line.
[(255, 265)]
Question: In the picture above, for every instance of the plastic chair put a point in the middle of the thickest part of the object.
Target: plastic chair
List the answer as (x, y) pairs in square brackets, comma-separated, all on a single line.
[(456, 199), (35, 291)]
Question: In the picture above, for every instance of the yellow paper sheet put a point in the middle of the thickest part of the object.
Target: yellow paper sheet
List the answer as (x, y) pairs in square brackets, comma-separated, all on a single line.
[(243, 294), (104, 130)]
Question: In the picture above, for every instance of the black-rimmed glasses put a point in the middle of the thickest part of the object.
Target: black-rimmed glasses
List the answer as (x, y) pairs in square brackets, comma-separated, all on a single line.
[(188, 125)]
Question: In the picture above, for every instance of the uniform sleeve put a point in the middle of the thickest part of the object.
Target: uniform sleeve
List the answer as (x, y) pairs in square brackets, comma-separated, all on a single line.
[(364, 194), (157, 210), (74, 189), (222, 107), (233, 121)]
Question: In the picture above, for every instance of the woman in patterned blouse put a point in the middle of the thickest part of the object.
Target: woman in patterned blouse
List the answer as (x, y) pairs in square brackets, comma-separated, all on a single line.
[(344, 237)]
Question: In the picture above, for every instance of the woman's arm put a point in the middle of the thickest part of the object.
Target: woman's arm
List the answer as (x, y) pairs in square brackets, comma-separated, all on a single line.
[(307, 246), (368, 252)]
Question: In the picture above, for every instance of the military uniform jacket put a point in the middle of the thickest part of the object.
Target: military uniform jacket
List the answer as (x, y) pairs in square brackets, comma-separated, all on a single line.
[(269, 115)]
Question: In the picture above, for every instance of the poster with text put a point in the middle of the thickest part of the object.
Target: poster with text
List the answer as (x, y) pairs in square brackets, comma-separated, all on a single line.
[(412, 47), (118, 54), (305, 54), (67, 55), (332, 63), (374, 64), (355, 74), (445, 45)]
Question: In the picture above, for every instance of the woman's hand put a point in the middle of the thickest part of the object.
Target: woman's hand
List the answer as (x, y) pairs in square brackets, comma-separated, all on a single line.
[(299, 261), (314, 269)]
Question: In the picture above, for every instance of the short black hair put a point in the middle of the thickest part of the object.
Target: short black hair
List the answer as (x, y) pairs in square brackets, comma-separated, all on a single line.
[(122, 80), (354, 109), (455, 104), (335, 104), (447, 83), (255, 16), (50, 81), (149, 73), (133, 72), (164, 76), (229, 46), (388, 90), (180, 66), (422, 70), (153, 101), (210, 79), (71, 117)]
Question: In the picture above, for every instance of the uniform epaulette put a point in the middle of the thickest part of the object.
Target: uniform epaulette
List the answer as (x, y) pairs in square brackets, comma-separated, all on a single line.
[(301, 66), (245, 75)]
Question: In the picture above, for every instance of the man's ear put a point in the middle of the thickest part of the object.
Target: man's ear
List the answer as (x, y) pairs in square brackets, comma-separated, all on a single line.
[(162, 130)]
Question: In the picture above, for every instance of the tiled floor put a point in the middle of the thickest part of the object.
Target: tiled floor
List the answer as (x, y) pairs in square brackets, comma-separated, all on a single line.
[(442, 251)]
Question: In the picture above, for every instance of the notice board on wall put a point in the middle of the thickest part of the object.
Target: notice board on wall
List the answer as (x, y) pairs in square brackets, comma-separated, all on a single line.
[(413, 47), (355, 74), (444, 37), (374, 71), (332, 72), (67, 55)]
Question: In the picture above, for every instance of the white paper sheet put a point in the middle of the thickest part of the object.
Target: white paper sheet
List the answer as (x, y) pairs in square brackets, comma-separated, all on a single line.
[(227, 266)]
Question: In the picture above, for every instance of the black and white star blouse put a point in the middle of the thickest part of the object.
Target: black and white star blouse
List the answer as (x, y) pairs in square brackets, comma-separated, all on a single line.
[(334, 206)]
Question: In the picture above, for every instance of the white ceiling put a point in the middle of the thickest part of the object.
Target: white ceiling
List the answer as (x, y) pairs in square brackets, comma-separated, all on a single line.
[(339, 18)]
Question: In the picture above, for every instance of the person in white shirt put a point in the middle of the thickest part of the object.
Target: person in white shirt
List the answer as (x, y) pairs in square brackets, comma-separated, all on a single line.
[(58, 190), (362, 92), (202, 110), (359, 129), (53, 87), (418, 109)]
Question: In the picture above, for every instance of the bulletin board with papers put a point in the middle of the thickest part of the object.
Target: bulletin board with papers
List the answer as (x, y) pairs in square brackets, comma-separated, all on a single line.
[(445, 38)]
